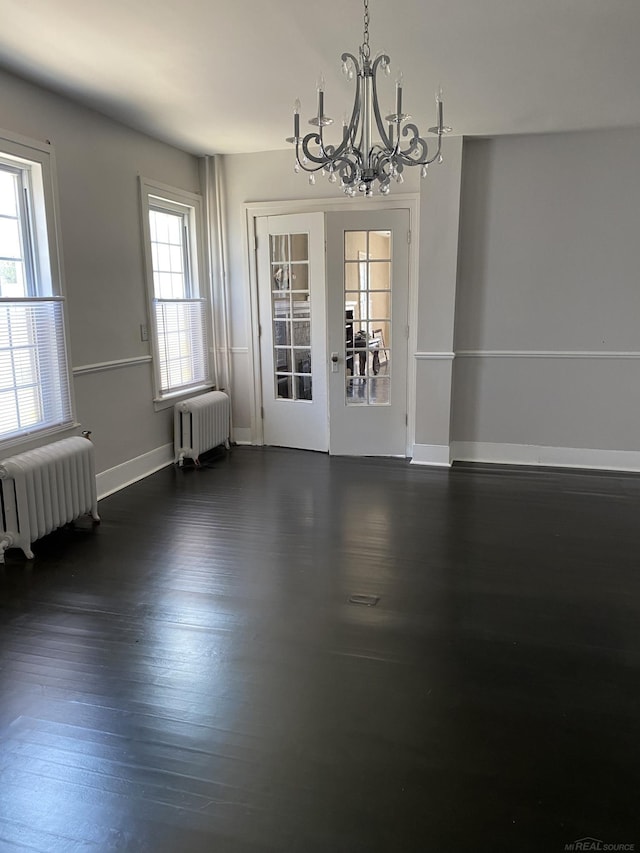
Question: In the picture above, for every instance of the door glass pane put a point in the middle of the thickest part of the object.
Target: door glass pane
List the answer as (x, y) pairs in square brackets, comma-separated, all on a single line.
[(300, 277), (281, 307), (299, 247), (367, 309), (291, 316), (352, 304), (280, 276), (282, 360), (279, 244), (352, 273), (380, 275), (281, 333), (303, 360), (301, 333), (303, 391), (354, 243), (380, 245), (283, 387)]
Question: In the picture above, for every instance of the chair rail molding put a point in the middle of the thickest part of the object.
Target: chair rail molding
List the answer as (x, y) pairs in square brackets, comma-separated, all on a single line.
[(602, 354), (434, 356), (111, 365)]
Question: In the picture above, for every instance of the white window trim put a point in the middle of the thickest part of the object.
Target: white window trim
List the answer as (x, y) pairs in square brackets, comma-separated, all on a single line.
[(149, 190), (48, 234)]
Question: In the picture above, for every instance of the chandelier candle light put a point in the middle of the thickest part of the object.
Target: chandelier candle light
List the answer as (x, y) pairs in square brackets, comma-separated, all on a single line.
[(359, 162)]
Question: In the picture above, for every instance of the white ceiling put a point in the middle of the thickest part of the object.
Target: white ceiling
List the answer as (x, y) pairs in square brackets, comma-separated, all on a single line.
[(221, 77)]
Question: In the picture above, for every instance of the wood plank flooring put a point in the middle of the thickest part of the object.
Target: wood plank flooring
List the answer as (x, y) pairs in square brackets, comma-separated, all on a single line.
[(191, 677)]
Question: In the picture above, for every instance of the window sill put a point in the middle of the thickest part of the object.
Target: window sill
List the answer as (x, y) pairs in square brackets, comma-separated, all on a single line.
[(169, 400)]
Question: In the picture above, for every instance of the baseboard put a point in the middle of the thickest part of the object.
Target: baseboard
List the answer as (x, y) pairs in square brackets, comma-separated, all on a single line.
[(242, 435), (431, 454), (558, 457), (114, 479)]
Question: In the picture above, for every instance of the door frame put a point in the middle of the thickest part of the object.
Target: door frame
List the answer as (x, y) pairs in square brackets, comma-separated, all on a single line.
[(253, 210)]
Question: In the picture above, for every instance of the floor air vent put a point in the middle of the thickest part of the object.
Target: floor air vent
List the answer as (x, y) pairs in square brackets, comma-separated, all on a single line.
[(364, 600)]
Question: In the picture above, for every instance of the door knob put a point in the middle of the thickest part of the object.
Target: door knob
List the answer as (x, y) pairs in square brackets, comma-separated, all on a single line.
[(334, 362)]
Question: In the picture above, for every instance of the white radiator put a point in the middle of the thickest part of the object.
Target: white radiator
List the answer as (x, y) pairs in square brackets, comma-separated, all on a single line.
[(44, 489), (200, 424)]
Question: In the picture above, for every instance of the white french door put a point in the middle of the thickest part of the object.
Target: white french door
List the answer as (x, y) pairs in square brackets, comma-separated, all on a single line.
[(291, 297), (367, 302), (333, 348)]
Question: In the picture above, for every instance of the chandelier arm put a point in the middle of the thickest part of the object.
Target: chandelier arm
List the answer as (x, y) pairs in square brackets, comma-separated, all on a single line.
[(331, 154), (349, 138), (346, 55), (304, 143), (418, 143), (383, 162), (349, 173), (319, 137), (436, 155), (408, 160), (416, 151), (376, 106)]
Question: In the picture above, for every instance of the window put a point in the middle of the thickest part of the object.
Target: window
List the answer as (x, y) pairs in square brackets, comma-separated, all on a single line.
[(178, 307), (35, 393)]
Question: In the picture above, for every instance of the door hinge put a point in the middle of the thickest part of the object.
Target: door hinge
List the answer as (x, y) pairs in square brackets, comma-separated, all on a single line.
[(259, 330), (409, 236), (255, 237), (262, 412), (406, 331), (406, 420)]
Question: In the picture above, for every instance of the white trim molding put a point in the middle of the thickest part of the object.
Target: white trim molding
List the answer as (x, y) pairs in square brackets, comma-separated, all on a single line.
[(234, 350), (111, 365), (434, 356), (545, 354), (114, 479), (431, 454), (557, 457), (242, 435)]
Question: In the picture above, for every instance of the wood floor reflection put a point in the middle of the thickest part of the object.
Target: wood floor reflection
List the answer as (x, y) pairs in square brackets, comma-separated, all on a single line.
[(190, 676)]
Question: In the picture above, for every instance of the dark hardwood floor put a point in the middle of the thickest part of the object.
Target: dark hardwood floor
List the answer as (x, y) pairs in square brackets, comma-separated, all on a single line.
[(190, 676)]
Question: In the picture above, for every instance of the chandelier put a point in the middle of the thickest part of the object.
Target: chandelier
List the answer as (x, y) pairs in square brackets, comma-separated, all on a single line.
[(359, 162)]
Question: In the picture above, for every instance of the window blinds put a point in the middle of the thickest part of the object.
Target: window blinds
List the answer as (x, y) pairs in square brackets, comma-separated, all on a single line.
[(34, 383), (182, 342)]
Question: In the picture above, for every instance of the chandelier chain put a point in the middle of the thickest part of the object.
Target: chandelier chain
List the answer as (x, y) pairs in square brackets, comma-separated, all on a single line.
[(366, 50)]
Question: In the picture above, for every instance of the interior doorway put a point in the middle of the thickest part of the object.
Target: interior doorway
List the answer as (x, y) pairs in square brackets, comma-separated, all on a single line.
[(333, 330)]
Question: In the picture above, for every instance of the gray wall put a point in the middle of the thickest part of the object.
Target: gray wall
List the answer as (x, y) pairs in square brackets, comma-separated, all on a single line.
[(548, 297), (437, 275), (98, 163), (546, 309)]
